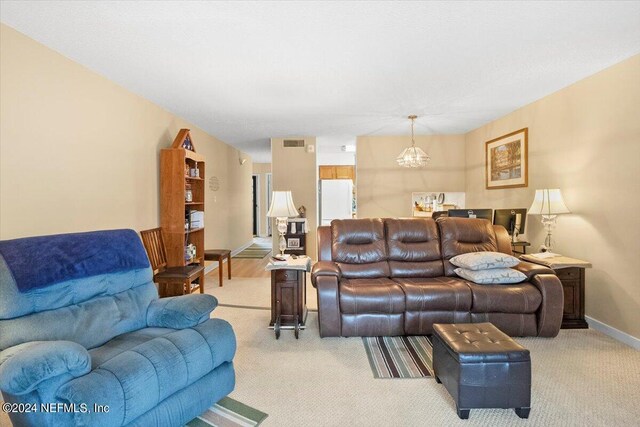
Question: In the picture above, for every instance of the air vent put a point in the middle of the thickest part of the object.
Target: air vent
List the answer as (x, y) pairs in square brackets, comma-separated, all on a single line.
[(287, 143)]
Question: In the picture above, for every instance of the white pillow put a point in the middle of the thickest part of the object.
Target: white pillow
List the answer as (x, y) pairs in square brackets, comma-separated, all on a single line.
[(484, 260), (494, 275)]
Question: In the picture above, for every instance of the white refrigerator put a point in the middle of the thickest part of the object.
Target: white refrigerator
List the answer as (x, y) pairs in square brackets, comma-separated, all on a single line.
[(336, 200)]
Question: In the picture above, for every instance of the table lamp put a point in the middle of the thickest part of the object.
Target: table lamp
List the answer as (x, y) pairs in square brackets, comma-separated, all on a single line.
[(281, 208), (549, 204)]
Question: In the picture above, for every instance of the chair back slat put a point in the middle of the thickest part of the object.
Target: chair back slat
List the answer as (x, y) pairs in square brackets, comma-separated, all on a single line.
[(154, 245)]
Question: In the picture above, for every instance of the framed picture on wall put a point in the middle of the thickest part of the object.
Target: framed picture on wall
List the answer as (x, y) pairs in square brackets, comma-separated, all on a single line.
[(506, 160)]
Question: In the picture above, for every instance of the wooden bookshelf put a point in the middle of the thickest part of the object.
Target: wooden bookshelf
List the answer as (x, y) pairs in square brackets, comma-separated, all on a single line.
[(175, 165)]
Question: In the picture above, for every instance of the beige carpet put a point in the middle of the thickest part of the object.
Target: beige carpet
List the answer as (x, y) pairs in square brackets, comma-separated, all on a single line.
[(252, 292), (582, 377)]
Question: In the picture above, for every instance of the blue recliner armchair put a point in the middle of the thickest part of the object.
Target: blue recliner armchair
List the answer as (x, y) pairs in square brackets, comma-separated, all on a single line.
[(85, 341)]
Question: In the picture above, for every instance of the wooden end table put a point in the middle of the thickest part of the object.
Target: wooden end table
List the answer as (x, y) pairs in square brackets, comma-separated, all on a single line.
[(289, 295), (519, 247), (571, 273)]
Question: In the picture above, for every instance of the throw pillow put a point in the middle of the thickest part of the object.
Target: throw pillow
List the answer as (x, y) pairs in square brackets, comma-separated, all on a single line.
[(484, 260), (494, 275)]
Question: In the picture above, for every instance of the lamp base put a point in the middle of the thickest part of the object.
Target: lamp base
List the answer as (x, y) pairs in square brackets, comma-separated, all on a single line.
[(282, 244), (282, 229), (549, 221)]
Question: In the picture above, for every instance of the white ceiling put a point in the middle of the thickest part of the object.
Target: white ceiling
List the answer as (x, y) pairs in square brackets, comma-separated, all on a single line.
[(248, 71)]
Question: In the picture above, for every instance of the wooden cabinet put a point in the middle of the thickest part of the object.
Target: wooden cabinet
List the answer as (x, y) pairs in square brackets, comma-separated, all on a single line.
[(327, 172), (571, 273), (296, 241), (337, 172), (182, 191), (572, 279), (345, 172), (288, 300)]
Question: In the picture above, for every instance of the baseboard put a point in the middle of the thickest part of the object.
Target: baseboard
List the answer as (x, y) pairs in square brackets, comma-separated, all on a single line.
[(209, 268), (614, 333)]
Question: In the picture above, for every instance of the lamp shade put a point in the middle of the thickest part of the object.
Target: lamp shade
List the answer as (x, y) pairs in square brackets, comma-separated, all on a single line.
[(282, 205), (548, 202), (413, 157)]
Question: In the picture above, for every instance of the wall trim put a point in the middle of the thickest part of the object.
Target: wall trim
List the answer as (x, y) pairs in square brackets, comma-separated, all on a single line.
[(614, 333), (209, 268)]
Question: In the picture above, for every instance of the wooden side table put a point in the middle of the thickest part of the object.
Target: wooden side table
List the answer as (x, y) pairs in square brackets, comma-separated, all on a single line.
[(288, 300), (571, 273), (219, 255), (519, 247), (572, 279)]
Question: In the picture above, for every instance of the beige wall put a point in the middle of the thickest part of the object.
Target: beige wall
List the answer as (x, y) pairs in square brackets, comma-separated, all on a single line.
[(585, 140), (384, 189), (78, 152), (262, 170), (295, 169)]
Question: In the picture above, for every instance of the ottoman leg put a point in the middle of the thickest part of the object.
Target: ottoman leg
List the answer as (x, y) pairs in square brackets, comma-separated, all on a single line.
[(463, 414), (523, 412)]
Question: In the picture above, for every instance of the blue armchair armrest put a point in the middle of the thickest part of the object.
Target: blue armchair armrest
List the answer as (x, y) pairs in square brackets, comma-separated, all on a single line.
[(181, 312), (27, 365)]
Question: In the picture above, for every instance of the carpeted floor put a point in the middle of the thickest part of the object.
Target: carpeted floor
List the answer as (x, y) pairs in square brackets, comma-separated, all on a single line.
[(582, 377)]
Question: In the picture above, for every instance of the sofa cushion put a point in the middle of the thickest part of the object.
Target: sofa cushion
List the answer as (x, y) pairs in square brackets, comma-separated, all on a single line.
[(484, 260), (90, 323), (124, 342), (139, 378), (382, 295), (414, 247), (463, 235), (435, 294), (492, 276), (517, 298), (359, 248)]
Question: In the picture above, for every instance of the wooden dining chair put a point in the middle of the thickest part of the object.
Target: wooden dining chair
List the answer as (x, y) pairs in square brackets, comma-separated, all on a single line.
[(171, 280)]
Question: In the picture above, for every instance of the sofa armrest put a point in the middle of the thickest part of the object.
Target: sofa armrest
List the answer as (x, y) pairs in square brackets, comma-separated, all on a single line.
[(329, 317), (530, 269), (24, 367), (552, 307), (181, 312), (325, 268)]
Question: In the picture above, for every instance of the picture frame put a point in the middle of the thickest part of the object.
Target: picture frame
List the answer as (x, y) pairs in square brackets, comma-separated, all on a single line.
[(506, 160), (293, 243)]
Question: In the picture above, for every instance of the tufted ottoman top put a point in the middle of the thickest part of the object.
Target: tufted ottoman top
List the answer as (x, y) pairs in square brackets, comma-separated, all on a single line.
[(480, 343)]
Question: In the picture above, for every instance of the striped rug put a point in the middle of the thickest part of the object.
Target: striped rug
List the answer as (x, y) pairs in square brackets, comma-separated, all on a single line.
[(399, 357), (256, 250), (229, 413)]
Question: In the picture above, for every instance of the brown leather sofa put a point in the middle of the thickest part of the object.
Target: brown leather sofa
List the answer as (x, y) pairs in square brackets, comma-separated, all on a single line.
[(383, 277)]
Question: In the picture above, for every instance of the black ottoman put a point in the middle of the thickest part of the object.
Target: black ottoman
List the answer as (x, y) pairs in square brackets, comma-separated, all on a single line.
[(481, 367)]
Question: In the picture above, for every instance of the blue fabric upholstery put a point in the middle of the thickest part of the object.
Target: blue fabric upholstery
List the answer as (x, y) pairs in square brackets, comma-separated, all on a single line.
[(90, 323), (37, 262), (181, 312), (107, 339), (35, 362)]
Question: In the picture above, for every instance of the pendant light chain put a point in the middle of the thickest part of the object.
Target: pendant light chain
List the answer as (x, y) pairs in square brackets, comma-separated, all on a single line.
[(413, 122)]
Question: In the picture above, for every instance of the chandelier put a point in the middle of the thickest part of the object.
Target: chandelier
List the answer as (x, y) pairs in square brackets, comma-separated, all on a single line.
[(413, 157)]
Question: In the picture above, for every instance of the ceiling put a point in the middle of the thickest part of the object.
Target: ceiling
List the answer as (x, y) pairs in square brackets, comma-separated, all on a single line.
[(248, 71)]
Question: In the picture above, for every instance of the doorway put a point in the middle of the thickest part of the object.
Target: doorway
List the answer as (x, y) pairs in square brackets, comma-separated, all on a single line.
[(255, 182), (268, 198)]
